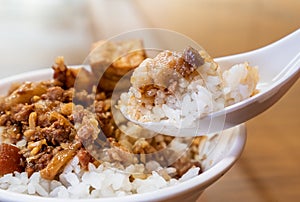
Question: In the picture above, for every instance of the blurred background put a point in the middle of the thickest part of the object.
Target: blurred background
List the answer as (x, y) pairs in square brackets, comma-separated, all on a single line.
[(34, 32)]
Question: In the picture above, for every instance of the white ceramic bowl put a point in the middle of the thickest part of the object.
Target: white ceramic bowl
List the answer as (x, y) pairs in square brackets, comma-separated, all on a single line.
[(222, 152)]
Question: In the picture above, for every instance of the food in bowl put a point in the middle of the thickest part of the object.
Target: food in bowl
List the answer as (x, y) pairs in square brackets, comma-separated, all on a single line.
[(62, 142), (59, 139)]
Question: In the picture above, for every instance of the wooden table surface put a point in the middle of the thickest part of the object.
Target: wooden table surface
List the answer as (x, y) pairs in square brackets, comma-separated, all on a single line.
[(269, 168)]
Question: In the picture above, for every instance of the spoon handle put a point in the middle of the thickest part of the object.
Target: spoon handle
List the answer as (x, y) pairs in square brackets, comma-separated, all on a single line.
[(279, 53)]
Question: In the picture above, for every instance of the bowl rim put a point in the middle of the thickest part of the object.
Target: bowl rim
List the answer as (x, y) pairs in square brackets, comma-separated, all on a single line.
[(201, 181)]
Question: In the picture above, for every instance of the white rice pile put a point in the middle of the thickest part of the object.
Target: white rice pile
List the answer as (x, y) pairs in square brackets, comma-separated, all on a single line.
[(104, 181), (239, 83), (187, 98)]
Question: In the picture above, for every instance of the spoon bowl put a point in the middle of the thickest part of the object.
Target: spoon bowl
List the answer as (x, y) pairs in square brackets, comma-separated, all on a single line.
[(279, 67)]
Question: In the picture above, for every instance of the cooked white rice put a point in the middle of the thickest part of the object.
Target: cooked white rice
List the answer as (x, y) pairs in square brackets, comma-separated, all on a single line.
[(104, 181), (211, 90)]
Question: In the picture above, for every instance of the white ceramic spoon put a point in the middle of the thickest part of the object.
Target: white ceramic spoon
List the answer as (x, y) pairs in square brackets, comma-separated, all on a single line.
[(279, 69)]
